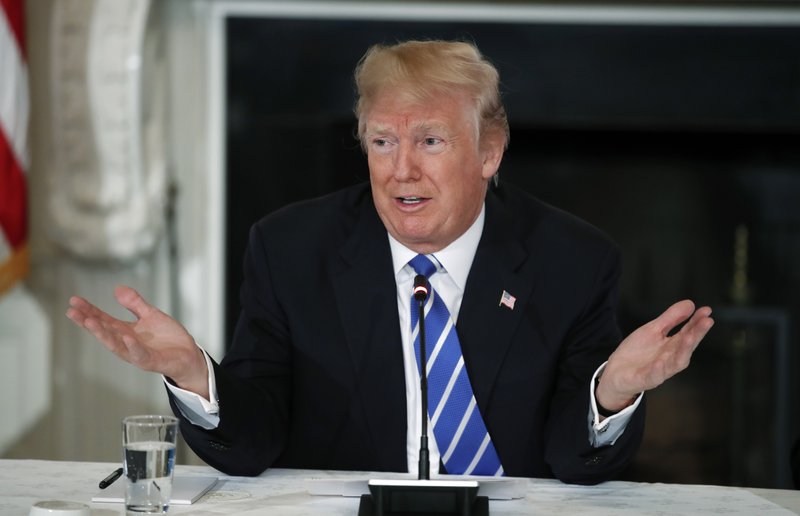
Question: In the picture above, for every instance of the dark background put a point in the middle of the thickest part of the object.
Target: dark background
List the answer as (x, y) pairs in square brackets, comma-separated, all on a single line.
[(672, 139)]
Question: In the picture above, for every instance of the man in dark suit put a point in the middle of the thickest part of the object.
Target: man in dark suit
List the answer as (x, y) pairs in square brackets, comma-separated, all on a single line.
[(322, 370)]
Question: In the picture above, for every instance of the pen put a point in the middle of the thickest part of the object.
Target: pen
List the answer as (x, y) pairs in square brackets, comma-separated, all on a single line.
[(110, 479)]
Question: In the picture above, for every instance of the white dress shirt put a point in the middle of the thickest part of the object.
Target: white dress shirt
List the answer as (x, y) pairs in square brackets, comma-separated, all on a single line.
[(449, 282)]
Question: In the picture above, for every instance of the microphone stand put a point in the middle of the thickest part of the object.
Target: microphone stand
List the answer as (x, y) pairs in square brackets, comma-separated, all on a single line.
[(423, 496), (420, 294)]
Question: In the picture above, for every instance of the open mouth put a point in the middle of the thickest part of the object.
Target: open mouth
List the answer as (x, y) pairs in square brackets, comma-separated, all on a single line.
[(411, 200)]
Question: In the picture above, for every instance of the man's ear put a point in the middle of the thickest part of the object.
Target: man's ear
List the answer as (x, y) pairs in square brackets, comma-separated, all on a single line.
[(493, 145)]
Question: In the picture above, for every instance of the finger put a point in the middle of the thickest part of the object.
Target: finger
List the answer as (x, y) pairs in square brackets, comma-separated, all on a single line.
[(77, 301), (112, 340), (673, 316), (77, 316), (80, 308), (85, 314), (690, 337), (132, 300), (81, 316), (698, 326)]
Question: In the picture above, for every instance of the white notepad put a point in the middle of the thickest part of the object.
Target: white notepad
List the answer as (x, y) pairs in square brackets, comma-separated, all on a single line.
[(185, 490)]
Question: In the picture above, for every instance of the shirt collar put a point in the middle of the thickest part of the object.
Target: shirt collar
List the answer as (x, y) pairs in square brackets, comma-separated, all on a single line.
[(456, 258)]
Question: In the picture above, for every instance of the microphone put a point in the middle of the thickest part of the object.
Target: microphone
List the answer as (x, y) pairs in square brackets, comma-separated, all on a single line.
[(420, 289), (420, 295), (423, 496)]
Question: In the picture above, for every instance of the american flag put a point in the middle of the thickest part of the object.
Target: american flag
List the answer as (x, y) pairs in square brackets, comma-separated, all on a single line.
[(508, 300), (14, 106)]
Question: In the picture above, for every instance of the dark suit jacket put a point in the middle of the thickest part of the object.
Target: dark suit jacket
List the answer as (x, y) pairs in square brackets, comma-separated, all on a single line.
[(314, 378)]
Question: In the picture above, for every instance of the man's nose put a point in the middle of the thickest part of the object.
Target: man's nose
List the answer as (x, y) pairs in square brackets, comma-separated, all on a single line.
[(406, 166)]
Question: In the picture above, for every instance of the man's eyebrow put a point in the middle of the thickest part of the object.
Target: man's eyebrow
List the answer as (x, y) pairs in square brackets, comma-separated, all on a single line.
[(427, 126), (422, 126), (377, 129)]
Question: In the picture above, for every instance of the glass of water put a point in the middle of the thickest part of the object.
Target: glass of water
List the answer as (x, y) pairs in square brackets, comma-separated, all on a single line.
[(149, 458)]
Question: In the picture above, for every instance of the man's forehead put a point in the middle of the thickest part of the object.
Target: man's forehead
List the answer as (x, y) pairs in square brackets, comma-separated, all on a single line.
[(389, 122), (415, 117)]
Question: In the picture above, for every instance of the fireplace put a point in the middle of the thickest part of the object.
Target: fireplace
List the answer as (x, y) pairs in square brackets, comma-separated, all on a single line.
[(674, 130)]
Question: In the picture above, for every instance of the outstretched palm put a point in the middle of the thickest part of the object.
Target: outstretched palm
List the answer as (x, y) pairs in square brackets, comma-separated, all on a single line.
[(650, 355), (153, 342)]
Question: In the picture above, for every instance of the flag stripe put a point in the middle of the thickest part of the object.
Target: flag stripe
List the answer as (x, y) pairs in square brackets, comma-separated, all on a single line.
[(14, 112), (14, 100), (13, 192), (12, 11)]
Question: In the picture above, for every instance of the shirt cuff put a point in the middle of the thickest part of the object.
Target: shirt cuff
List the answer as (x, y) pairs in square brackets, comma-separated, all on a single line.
[(195, 408), (607, 431)]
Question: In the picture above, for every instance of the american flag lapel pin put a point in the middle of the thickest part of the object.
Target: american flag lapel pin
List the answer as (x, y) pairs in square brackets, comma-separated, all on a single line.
[(507, 300)]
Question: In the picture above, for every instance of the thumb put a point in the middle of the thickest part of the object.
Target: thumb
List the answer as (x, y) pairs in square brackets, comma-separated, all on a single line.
[(130, 299), (673, 316)]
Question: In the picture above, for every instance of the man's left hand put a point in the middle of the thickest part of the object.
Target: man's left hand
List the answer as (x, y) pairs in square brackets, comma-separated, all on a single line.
[(650, 355)]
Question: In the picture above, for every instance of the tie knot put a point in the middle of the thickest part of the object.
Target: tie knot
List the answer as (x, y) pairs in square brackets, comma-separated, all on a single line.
[(423, 265)]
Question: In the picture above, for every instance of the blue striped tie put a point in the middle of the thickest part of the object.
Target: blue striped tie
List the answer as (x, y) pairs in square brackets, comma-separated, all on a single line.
[(458, 427)]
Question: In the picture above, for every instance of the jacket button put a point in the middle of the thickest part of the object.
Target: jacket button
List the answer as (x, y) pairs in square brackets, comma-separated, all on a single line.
[(218, 446), (594, 460)]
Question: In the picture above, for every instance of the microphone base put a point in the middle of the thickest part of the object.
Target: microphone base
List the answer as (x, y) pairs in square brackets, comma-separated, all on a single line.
[(418, 497)]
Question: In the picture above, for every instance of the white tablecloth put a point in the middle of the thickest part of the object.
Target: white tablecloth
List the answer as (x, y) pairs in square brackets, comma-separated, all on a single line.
[(285, 492)]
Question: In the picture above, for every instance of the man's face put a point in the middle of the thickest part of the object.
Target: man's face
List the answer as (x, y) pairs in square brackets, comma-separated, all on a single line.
[(429, 172)]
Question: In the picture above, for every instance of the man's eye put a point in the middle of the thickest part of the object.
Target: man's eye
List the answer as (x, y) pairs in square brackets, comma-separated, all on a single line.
[(432, 144), (381, 142), (381, 145)]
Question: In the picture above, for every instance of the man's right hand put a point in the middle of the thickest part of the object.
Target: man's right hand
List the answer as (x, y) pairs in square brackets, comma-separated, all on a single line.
[(153, 342)]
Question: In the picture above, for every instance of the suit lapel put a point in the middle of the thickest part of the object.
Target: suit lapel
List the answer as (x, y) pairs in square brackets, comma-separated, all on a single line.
[(365, 291), (485, 327)]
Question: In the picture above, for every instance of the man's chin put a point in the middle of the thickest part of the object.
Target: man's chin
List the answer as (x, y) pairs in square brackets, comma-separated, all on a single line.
[(423, 243)]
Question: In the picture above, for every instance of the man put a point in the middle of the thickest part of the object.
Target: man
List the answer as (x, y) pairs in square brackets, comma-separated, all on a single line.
[(323, 369)]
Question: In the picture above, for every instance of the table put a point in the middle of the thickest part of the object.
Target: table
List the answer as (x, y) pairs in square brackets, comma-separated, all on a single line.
[(285, 492)]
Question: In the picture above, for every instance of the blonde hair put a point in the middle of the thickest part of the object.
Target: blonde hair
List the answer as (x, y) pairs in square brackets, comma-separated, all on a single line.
[(425, 69)]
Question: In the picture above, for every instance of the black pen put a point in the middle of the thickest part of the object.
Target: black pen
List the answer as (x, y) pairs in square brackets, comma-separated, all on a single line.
[(110, 479)]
